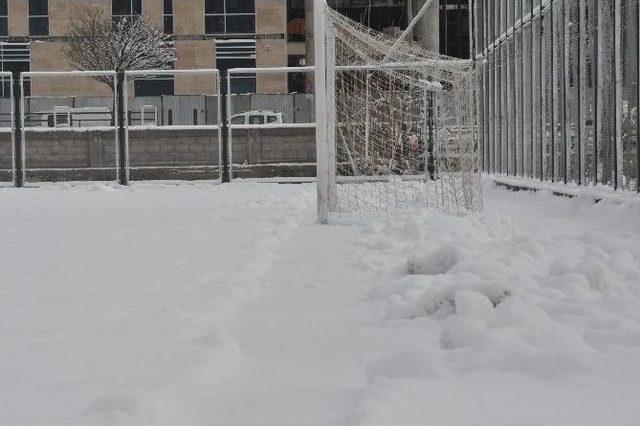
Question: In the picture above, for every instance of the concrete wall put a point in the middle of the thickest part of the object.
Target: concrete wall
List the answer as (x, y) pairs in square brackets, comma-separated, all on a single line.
[(195, 54), (188, 17), (259, 146), (62, 11), (162, 154), (154, 10), (18, 17), (49, 56), (6, 150)]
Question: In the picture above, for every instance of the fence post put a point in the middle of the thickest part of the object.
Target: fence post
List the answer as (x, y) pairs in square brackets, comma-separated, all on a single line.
[(122, 150), (223, 91), (18, 171)]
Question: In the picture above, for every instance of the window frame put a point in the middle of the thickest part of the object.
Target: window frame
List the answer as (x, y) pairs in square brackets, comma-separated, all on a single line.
[(225, 16), (131, 14), (4, 17), (33, 18), (168, 17)]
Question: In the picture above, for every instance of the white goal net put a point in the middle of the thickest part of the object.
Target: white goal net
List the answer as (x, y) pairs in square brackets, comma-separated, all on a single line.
[(396, 129)]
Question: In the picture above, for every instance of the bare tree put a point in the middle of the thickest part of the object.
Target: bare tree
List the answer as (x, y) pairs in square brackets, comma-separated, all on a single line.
[(97, 43)]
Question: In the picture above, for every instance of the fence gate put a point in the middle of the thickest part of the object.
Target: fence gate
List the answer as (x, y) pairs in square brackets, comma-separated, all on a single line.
[(68, 126), (173, 137), (271, 123)]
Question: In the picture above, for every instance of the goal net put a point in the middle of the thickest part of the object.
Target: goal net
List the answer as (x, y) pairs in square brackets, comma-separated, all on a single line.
[(396, 129)]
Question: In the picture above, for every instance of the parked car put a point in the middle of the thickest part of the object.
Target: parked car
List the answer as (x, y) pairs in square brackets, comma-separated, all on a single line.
[(257, 117)]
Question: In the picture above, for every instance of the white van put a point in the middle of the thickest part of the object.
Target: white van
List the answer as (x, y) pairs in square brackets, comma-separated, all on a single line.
[(257, 118)]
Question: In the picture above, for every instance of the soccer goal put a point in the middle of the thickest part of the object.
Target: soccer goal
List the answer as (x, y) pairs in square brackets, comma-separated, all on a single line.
[(395, 124)]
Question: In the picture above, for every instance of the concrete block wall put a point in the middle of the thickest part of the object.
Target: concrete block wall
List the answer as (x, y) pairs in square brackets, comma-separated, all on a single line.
[(153, 148), (6, 150), (161, 154), (63, 150), (271, 146)]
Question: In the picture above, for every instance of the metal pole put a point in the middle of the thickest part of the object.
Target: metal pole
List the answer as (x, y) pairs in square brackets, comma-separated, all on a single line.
[(581, 128), (226, 113), (618, 65), (18, 145), (367, 117), (121, 132), (219, 123), (227, 160)]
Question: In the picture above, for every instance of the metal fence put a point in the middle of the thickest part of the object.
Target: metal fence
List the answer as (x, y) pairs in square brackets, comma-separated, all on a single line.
[(558, 91), (74, 137)]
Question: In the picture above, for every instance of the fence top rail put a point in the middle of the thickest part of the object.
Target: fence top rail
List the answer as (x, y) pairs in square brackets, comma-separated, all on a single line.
[(274, 126), (270, 70), (6, 74), (75, 73), (445, 63), (42, 129), (144, 73), (172, 127)]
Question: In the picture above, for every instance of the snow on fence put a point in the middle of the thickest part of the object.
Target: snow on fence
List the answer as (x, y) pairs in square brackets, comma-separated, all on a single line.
[(557, 89)]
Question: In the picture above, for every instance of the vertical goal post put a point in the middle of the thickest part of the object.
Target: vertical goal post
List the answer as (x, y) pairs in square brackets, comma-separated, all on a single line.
[(26, 125), (134, 75), (243, 72)]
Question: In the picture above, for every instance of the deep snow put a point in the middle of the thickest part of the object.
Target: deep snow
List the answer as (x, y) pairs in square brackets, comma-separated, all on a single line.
[(203, 304)]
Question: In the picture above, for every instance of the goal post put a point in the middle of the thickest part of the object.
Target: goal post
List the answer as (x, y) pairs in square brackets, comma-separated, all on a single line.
[(395, 123), (319, 25)]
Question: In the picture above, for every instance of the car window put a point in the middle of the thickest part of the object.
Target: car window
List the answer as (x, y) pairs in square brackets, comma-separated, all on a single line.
[(256, 119), (272, 118), (237, 120)]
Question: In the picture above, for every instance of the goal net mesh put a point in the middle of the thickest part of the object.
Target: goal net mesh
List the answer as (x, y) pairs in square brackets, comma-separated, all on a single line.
[(400, 125)]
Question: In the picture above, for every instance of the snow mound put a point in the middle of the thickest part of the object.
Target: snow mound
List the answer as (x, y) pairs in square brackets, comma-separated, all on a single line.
[(547, 297), (439, 261), (529, 312)]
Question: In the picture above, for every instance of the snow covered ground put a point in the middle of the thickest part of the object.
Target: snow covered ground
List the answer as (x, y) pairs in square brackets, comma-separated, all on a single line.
[(203, 304)]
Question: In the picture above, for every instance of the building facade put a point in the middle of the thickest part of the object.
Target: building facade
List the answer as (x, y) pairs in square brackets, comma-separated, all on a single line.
[(207, 34), (218, 34)]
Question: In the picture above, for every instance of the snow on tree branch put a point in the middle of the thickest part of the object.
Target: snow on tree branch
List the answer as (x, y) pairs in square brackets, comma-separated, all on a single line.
[(97, 43)]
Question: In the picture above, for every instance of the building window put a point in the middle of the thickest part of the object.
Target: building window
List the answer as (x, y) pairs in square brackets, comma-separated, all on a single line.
[(295, 20), (154, 86), (39, 17), (237, 17), (4, 19), (168, 16), (15, 58), (125, 9)]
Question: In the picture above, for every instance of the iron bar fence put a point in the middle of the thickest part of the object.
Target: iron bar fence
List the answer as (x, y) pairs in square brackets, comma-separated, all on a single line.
[(557, 90)]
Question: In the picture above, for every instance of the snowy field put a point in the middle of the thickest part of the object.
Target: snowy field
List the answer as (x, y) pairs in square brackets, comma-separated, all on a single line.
[(172, 305)]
